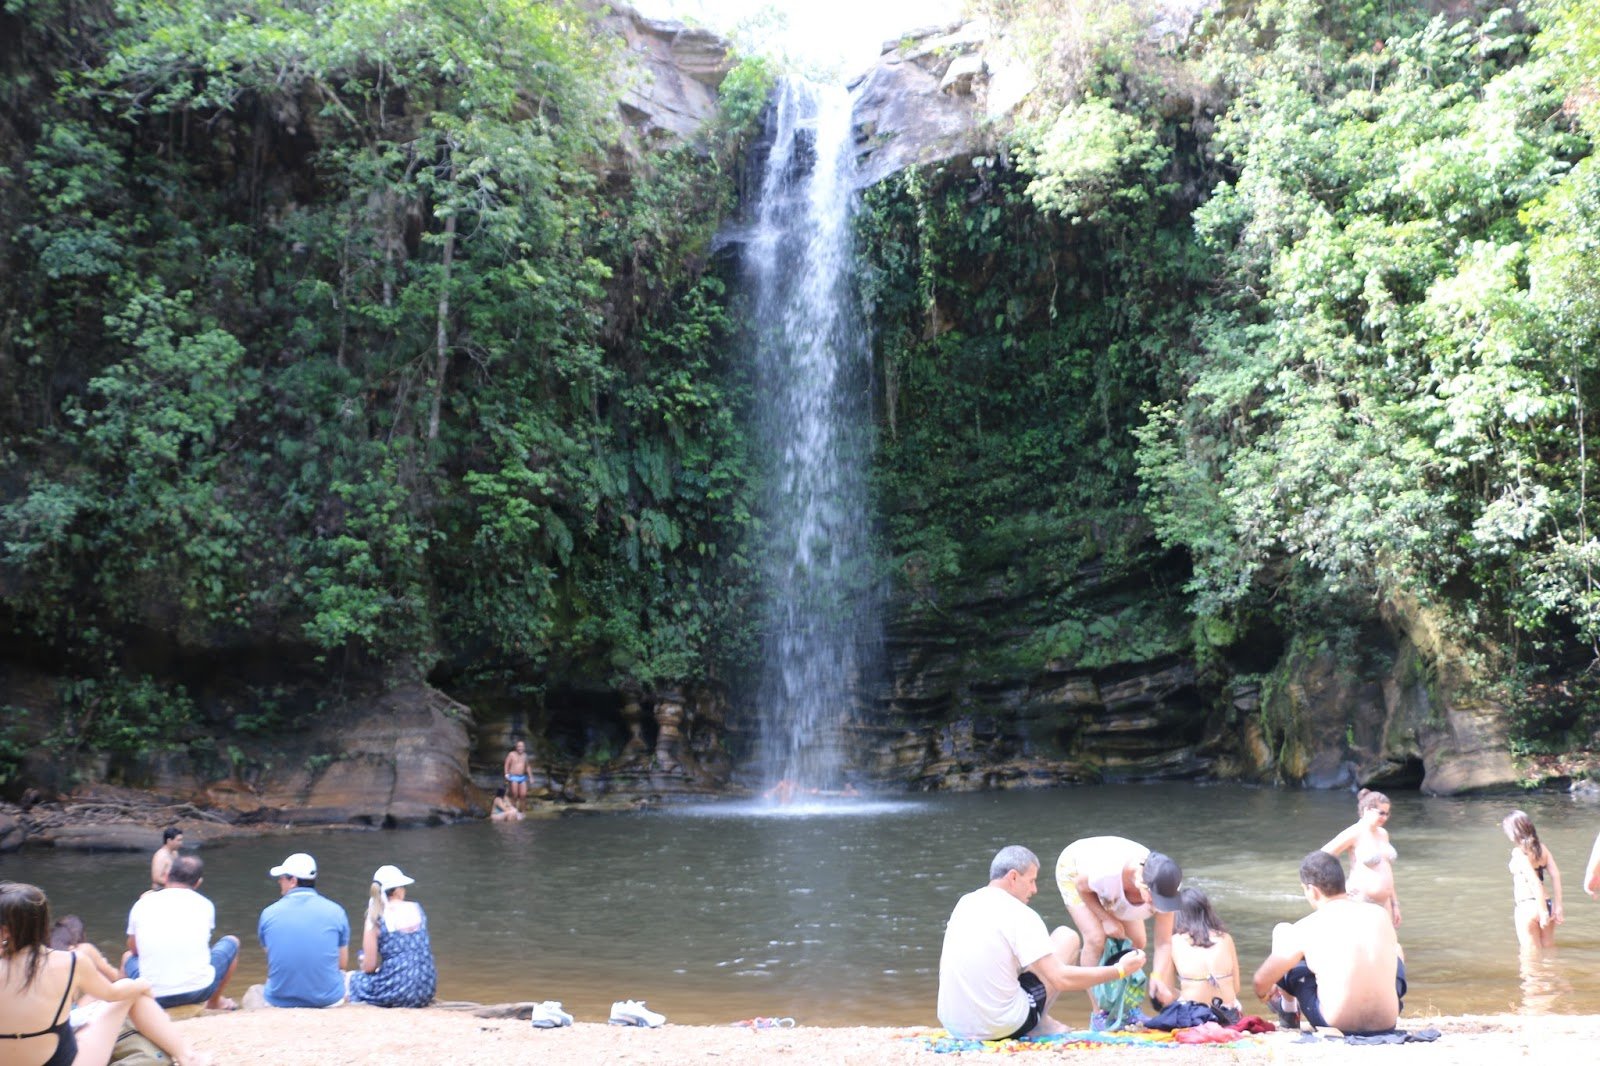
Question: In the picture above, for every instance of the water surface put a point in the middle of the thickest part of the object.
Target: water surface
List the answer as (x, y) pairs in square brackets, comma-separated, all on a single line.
[(835, 914)]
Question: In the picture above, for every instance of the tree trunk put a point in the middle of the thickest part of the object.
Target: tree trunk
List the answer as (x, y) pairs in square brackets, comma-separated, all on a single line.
[(442, 333)]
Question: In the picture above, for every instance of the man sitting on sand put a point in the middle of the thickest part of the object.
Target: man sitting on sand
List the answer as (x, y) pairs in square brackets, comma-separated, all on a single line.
[(1341, 962), (161, 861), (1000, 971), (169, 942), (306, 937)]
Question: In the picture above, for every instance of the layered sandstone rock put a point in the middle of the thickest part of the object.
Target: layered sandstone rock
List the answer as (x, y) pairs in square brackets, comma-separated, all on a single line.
[(668, 76)]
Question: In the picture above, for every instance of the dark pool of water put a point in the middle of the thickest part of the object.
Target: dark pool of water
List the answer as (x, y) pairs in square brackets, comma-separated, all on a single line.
[(834, 915)]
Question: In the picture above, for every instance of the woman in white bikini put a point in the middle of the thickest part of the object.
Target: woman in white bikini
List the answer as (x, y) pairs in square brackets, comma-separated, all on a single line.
[(1371, 876), (1203, 952), (1538, 911)]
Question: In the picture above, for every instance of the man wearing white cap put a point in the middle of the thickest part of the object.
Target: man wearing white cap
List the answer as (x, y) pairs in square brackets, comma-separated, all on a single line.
[(306, 937)]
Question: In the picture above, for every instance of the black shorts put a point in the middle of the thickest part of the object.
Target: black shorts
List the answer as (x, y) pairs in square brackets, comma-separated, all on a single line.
[(1036, 1001)]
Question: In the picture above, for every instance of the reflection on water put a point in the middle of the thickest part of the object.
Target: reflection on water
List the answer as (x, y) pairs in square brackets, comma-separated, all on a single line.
[(834, 916), (1544, 981)]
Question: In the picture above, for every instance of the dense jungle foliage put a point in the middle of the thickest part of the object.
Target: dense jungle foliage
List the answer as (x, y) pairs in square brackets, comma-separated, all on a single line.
[(1307, 291), (338, 349)]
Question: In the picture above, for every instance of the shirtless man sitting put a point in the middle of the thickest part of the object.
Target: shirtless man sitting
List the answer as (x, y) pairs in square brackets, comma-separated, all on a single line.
[(516, 771), (1341, 962)]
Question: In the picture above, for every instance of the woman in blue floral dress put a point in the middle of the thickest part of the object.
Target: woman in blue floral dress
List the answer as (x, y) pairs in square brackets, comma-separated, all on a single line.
[(396, 959)]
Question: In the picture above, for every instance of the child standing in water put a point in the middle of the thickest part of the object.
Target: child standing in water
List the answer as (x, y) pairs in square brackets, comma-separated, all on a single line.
[(1537, 912), (1371, 876)]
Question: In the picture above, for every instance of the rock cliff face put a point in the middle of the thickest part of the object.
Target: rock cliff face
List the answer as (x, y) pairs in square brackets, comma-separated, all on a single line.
[(669, 77), (922, 102), (960, 709)]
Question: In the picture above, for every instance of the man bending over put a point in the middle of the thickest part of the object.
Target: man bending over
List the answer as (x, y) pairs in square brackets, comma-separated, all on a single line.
[(1000, 971)]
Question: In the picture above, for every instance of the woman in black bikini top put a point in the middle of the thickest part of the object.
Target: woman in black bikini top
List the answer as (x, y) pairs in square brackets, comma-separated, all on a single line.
[(66, 1039), (35, 979)]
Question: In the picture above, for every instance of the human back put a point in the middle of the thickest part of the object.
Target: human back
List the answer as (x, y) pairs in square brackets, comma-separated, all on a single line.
[(1203, 952), (173, 931), (1351, 946), (305, 936), (37, 985)]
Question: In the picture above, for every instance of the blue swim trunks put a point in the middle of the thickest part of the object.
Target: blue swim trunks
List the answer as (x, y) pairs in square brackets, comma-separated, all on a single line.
[(517, 779)]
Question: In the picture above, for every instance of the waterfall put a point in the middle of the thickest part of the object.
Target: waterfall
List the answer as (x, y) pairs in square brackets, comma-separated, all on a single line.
[(813, 360)]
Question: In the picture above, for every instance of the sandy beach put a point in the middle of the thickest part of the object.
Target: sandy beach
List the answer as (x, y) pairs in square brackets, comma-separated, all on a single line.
[(453, 1038)]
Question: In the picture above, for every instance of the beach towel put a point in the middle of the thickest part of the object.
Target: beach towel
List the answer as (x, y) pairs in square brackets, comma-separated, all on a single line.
[(1394, 1036), (940, 1041)]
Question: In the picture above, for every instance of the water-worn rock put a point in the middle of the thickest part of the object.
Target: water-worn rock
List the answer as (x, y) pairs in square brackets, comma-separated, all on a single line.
[(401, 759), (11, 832), (1410, 723), (103, 837)]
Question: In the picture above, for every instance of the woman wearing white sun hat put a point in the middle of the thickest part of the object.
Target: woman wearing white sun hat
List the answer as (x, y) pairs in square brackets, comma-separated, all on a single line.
[(397, 967)]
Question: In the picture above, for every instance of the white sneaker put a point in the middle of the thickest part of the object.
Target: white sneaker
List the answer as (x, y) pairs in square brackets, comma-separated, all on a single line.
[(549, 1015), (633, 1012)]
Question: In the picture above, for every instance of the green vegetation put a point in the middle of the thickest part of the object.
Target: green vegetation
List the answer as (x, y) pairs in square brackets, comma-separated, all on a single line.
[(341, 349), (1309, 293), (335, 330)]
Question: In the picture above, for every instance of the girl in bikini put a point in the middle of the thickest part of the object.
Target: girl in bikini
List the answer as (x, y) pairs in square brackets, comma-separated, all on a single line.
[(1203, 952), (1371, 876), (1538, 911), (39, 985)]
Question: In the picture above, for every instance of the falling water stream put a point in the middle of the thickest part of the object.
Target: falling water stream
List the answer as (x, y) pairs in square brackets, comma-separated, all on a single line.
[(814, 416)]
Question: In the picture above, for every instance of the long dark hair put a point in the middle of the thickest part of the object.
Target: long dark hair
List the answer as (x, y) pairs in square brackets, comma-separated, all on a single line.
[(1519, 827), (25, 918), (1196, 918)]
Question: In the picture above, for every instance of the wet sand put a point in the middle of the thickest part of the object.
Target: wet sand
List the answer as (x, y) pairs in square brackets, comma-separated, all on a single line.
[(452, 1038)]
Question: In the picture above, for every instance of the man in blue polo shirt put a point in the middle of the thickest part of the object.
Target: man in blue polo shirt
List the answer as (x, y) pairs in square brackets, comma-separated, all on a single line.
[(306, 937)]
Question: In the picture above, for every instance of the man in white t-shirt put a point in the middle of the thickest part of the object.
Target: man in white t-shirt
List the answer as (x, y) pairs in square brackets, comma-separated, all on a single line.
[(1000, 970), (1110, 886), (169, 942)]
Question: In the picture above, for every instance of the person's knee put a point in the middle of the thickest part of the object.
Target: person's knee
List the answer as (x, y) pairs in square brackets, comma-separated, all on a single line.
[(1279, 932), (1068, 944)]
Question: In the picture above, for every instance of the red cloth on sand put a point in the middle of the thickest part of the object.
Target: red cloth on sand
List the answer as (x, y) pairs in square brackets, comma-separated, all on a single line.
[(1251, 1023), (1209, 1033)]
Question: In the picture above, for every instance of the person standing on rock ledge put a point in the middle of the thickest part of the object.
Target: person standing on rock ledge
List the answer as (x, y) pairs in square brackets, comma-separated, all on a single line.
[(516, 772), (161, 861), (999, 970), (1110, 886)]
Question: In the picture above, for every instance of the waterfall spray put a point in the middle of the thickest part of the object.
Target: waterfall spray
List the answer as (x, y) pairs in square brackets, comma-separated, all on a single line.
[(814, 374)]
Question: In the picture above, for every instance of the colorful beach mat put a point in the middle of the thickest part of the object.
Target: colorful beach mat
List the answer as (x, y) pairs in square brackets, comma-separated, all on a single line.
[(941, 1041)]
